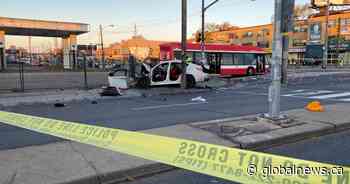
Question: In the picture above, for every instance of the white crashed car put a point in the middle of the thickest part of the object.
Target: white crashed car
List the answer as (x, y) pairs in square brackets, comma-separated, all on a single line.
[(170, 73)]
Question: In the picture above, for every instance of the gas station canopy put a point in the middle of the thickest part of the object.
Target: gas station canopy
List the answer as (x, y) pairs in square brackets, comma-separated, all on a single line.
[(27, 27), (68, 31)]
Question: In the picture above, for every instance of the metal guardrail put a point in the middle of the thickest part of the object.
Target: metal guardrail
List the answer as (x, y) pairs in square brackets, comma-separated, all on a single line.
[(316, 63)]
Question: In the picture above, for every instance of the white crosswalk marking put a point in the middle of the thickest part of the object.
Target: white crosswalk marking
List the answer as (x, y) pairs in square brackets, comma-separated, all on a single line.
[(310, 93), (345, 100), (320, 95), (336, 95)]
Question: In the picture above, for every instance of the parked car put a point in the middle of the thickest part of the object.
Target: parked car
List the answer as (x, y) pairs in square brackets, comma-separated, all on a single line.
[(170, 73), (312, 61), (25, 60)]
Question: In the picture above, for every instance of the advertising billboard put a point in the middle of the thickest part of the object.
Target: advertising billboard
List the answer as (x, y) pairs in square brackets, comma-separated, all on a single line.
[(315, 32), (320, 3)]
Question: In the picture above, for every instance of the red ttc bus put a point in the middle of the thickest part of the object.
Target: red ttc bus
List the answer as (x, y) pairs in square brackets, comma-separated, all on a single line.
[(223, 59)]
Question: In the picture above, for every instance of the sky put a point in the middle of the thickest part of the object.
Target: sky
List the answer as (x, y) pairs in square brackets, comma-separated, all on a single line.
[(154, 19)]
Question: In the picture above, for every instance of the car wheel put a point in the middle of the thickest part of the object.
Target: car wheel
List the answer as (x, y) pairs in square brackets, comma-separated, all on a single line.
[(190, 81), (250, 71)]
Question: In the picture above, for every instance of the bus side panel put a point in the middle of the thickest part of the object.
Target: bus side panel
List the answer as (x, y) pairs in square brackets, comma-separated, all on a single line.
[(233, 70)]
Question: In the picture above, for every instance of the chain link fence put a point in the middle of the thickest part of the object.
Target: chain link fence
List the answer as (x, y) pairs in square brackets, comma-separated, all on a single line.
[(23, 75)]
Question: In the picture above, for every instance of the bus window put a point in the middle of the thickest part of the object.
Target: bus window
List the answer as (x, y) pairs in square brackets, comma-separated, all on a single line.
[(190, 55), (249, 59), (227, 59), (238, 59), (177, 55), (197, 56)]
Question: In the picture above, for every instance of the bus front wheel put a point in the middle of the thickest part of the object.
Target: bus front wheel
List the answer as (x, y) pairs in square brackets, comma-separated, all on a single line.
[(250, 71)]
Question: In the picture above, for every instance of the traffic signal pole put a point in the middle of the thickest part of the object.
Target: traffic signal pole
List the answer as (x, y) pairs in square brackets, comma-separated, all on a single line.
[(287, 28), (325, 49)]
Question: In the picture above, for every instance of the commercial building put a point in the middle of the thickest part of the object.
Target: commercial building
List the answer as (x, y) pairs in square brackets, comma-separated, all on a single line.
[(306, 40), (137, 46)]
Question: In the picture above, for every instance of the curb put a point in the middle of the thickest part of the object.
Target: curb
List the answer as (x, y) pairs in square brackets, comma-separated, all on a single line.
[(261, 145), (126, 175), (322, 131)]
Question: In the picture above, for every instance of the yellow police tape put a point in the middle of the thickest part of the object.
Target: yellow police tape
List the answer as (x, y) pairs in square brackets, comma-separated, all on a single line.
[(228, 163)]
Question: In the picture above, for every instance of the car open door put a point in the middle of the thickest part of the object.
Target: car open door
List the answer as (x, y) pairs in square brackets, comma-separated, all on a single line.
[(160, 74)]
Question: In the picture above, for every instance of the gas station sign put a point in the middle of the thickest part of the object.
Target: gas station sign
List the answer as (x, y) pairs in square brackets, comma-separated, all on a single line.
[(320, 3)]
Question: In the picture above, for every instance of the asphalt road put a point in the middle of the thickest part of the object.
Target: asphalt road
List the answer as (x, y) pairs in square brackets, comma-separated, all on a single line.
[(332, 149), (161, 111)]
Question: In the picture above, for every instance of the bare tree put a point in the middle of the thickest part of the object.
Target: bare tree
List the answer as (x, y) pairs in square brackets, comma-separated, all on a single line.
[(213, 27), (302, 11)]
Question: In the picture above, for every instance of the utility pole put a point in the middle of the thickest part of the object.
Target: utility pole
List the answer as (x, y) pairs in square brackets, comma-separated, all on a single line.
[(287, 27), (325, 50), (102, 49), (203, 33), (136, 46), (183, 41), (30, 49), (275, 88), (85, 72), (135, 30)]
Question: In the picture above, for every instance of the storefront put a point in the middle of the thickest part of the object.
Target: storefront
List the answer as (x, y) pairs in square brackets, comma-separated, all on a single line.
[(296, 55), (339, 52)]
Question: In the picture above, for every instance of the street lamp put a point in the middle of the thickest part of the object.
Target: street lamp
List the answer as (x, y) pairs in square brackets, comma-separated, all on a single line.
[(102, 44), (204, 9)]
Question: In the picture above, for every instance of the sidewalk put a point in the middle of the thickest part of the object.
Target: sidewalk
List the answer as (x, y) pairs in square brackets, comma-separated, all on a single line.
[(61, 96), (69, 162)]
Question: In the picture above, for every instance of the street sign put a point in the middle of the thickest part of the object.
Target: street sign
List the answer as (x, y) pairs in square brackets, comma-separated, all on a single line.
[(343, 45), (74, 47)]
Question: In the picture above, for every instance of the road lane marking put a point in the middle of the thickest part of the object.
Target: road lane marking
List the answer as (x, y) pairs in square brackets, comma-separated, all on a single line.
[(331, 96), (299, 91), (167, 106)]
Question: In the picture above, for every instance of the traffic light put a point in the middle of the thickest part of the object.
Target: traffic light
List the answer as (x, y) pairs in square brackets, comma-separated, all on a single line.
[(287, 15)]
